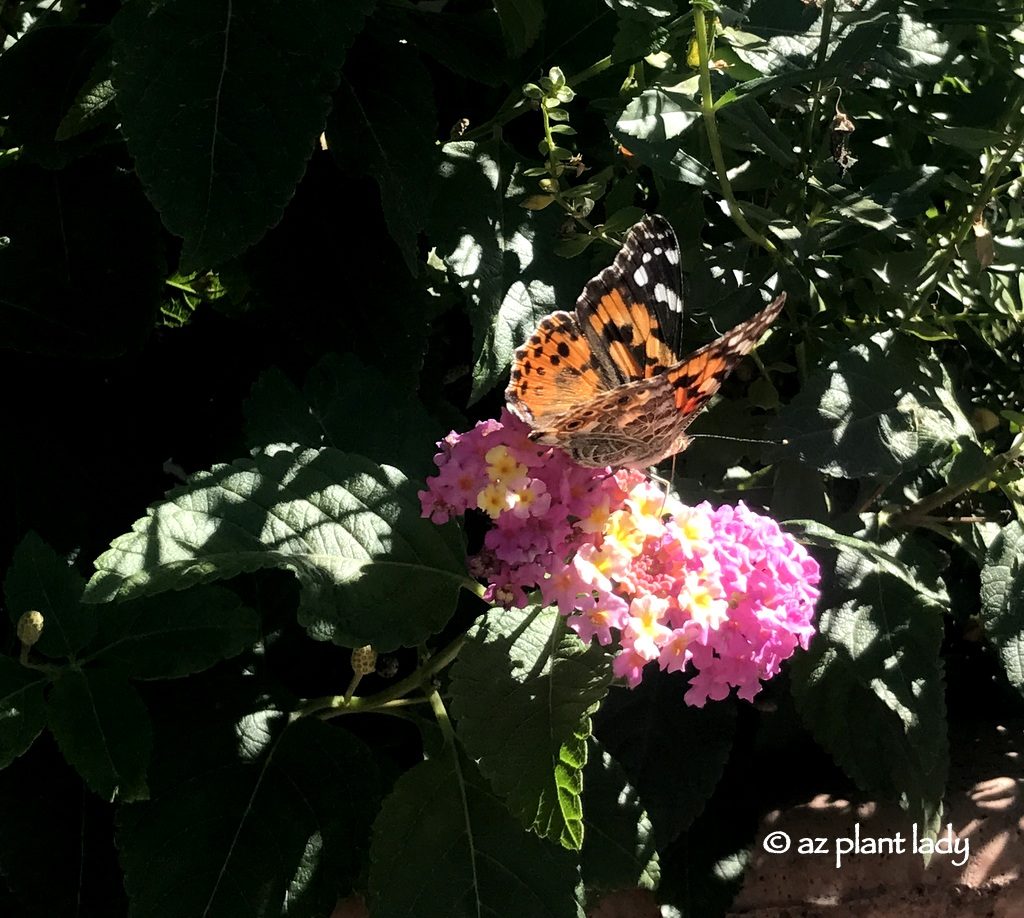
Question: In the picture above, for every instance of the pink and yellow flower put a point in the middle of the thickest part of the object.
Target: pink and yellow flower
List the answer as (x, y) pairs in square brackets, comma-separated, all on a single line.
[(722, 593)]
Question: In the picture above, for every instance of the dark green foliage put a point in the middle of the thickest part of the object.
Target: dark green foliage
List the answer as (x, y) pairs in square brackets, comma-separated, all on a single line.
[(315, 233)]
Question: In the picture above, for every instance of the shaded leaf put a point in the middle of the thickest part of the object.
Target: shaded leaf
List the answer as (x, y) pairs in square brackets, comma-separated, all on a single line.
[(499, 253), (39, 78), (22, 710), (227, 841), (651, 126), (164, 637), (384, 122), (221, 104), (876, 409), (656, 737), (618, 850), (445, 847), (372, 571), (103, 729), (347, 404), (521, 22), (522, 692), (876, 663)]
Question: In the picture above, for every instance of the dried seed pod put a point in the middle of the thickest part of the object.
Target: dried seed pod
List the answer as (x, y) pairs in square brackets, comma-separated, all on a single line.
[(842, 128)]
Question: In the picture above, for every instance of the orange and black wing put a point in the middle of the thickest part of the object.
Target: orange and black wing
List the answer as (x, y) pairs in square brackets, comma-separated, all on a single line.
[(698, 377), (632, 312)]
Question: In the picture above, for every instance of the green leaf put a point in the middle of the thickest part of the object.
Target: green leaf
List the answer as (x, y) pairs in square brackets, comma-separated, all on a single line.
[(40, 579), (103, 729), (651, 127), (371, 570), (521, 22), (384, 123), (39, 78), (164, 637), (1002, 600), (876, 663), (500, 254), (522, 692), (221, 104), (93, 106), (226, 841), (467, 42), (645, 10), (618, 851), (880, 407), (656, 737), (22, 709), (80, 261), (445, 847), (635, 39), (347, 404)]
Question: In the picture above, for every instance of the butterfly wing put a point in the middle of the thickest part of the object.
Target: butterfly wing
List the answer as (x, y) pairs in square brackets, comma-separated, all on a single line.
[(697, 378), (553, 372), (632, 312)]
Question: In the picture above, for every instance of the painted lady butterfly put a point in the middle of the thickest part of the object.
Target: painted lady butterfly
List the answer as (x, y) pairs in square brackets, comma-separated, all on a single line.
[(606, 383)]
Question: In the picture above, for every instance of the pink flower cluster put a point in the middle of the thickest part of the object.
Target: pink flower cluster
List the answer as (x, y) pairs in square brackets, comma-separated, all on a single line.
[(722, 590)]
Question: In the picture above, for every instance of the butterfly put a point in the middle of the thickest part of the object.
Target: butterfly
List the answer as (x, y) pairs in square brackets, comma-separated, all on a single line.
[(606, 382)]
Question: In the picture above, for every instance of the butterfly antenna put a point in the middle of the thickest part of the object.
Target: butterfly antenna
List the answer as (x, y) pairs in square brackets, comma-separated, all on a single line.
[(694, 436)]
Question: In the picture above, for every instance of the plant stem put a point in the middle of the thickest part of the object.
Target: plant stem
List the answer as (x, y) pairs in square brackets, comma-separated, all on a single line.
[(827, 13), (922, 508), (707, 104), (334, 705)]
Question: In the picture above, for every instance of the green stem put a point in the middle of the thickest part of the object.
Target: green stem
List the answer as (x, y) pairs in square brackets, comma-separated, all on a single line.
[(515, 105), (334, 705), (913, 514), (939, 263), (443, 720), (707, 104), (827, 13)]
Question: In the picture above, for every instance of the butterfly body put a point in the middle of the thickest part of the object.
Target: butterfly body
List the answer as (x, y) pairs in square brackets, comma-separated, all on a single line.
[(605, 383)]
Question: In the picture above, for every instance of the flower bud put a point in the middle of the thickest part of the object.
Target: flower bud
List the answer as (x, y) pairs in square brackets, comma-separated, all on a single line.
[(364, 660), (30, 627)]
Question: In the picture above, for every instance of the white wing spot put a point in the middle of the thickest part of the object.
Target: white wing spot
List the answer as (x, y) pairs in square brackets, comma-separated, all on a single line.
[(647, 257), (672, 256), (640, 276), (661, 293), (657, 250)]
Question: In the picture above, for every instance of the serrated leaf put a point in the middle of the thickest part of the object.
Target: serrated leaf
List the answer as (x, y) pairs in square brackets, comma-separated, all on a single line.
[(103, 729), (347, 404), (39, 579), (22, 709), (445, 847), (164, 637), (875, 663), (384, 123), (94, 104), (221, 104), (655, 737), (521, 22), (1002, 600), (227, 841), (880, 407), (92, 220), (371, 570), (522, 690), (501, 255), (618, 850)]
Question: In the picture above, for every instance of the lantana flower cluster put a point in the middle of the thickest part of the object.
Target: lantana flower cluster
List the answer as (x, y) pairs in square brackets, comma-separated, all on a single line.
[(722, 591)]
